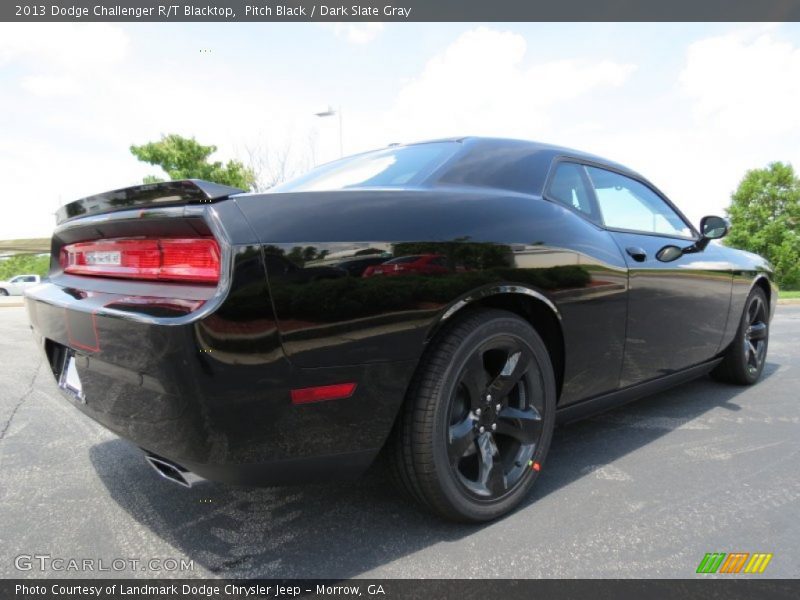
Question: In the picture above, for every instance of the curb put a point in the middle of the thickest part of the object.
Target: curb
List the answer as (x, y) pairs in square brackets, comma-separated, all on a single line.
[(15, 301)]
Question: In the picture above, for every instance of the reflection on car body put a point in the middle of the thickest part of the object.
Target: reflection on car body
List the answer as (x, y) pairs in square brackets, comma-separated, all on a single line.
[(423, 264)]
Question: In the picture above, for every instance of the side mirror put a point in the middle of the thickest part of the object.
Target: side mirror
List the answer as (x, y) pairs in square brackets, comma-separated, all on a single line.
[(669, 253), (713, 228)]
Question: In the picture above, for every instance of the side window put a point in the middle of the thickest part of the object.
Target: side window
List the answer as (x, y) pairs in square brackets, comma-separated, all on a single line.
[(628, 204), (569, 186), (16, 280)]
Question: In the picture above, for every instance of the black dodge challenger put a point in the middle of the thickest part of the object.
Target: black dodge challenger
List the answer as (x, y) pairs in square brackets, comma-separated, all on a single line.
[(445, 303)]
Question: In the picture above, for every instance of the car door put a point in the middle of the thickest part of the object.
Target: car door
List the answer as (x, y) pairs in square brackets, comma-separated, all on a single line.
[(677, 311)]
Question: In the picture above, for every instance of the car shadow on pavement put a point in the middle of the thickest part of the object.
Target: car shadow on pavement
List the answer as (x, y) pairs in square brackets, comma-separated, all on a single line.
[(343, 530)]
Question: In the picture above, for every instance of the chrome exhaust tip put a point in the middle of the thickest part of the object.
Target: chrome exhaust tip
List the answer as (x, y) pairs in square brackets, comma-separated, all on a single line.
[(173, 472)]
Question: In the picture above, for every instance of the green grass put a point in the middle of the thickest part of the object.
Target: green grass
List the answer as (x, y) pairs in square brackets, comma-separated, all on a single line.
[(785, 294)]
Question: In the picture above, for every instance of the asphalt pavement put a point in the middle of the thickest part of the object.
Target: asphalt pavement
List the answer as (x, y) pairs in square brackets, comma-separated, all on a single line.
[(643, 491)]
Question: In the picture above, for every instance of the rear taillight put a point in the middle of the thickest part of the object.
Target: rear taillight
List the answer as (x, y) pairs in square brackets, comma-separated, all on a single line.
[(167, 259)]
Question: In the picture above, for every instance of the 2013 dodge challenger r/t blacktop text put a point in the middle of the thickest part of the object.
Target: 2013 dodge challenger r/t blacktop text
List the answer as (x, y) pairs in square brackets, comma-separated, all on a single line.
[(511, 285)]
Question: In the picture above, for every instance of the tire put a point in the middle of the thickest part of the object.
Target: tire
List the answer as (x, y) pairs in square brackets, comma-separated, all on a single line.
[(745, 357), (444, 452), (3, 292)]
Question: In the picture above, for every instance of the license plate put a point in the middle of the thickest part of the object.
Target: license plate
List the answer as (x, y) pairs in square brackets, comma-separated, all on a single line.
[(70, 381), (113, 258)]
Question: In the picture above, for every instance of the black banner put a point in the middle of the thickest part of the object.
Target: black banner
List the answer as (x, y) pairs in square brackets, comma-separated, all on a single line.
[(391, 589), (402, 10)]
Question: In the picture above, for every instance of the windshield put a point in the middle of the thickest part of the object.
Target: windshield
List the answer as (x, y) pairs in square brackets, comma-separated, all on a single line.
[(392, 167)]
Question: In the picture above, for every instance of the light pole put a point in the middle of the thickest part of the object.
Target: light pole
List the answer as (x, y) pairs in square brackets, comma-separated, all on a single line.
[(330, 112)]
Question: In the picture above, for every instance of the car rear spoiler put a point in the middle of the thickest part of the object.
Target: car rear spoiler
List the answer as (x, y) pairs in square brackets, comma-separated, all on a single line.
[(166, 193)]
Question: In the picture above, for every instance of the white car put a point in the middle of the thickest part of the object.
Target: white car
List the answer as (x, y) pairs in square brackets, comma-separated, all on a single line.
[(16, 285)]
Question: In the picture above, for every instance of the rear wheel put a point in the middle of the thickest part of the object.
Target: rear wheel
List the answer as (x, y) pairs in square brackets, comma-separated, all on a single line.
[(478, 419), (745, 357)]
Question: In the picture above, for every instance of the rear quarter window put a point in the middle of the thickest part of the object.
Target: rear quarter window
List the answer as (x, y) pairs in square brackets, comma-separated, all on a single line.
[(570, 186)]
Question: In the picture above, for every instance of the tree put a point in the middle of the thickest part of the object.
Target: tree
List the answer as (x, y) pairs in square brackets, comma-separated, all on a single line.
[(765, 217), (185, 158), (22, 264), (300, 256), (278, 163)]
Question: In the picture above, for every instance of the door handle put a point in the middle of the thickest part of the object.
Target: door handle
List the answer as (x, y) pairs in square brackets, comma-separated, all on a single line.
[(638, 254)]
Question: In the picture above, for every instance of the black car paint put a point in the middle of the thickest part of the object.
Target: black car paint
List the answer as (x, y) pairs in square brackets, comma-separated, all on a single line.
[(208, 388)]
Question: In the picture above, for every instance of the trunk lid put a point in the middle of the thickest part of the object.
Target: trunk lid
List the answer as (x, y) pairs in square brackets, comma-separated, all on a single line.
[(166, 193)]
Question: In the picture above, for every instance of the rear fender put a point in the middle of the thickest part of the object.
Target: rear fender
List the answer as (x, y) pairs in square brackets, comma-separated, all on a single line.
[(475, 297)]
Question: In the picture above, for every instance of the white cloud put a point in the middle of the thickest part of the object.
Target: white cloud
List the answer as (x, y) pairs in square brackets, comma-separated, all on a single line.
[(51, 85), (744, 83), (731, 107), (70, 46), (670, 122), (78, 145), (356, 33), (483, 84)]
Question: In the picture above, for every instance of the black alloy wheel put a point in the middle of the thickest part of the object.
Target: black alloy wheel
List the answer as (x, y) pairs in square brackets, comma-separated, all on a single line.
[(755, 335), (745, 357), (495, 418), (479, 418)]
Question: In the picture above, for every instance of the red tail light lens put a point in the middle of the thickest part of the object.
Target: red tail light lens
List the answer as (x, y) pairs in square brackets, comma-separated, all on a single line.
[(169, 259)]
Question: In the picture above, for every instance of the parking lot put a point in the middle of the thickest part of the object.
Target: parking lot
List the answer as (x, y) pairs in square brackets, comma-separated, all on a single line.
[(643, 491)]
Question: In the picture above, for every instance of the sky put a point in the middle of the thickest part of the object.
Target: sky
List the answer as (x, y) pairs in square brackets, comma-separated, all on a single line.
[(691, 106)]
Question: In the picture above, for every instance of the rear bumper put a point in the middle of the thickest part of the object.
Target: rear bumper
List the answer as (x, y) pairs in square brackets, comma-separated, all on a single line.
[(211, 391)]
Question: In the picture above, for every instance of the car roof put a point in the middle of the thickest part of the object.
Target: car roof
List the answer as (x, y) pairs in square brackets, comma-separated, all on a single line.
[(507, 164), (493, 143)]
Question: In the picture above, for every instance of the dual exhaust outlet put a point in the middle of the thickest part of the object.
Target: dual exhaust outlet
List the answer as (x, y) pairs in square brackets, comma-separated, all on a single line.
[(175, 473)]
